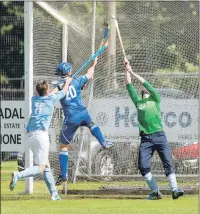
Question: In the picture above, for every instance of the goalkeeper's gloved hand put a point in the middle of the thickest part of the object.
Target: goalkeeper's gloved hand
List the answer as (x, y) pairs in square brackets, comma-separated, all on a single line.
[(127, 66)]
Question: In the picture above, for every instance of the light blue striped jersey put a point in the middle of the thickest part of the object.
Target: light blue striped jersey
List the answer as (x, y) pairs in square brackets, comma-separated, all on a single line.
[(72, 102), (42, 111)]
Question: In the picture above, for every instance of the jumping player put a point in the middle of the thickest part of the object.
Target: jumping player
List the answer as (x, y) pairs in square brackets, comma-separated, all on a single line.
[(38, 139), (152, 135), (76, 115)]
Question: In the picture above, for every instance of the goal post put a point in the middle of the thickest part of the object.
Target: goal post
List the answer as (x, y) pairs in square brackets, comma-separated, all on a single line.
[(28, 65), (30, 75)]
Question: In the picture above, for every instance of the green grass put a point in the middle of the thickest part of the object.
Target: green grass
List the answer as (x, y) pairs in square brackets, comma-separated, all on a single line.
[(102, 206), (39, 202), (8, 166)]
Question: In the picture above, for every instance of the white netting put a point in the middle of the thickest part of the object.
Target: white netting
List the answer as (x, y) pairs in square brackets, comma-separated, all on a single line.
[(161, 40)]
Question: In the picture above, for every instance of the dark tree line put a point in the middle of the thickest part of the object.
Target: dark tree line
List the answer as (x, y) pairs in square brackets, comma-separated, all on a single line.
[(11, 40), (158, 36)]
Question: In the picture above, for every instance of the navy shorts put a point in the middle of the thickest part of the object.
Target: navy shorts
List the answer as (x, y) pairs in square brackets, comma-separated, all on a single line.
[(71, 124), (149, 144)]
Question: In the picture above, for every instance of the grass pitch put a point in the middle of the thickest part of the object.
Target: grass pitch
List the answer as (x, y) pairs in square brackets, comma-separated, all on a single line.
[(39, 201), (185, 205)]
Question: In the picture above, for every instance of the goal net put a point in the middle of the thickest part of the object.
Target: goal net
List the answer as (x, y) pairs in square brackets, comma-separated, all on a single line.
[(161, 40)]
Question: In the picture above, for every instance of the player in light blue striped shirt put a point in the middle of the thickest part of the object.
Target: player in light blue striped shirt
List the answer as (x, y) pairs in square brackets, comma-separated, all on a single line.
[(42, 111), (38, 138)]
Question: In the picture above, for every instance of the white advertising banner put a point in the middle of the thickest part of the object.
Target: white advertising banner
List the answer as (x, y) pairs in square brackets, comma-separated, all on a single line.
[(117, 119), (55, 127), (12, 125)]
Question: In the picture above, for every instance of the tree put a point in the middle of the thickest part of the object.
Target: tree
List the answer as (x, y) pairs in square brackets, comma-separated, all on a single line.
[(12, 39)]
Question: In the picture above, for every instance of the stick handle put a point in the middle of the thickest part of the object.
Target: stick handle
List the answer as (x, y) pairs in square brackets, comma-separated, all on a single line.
[(84, 65), (105, 36), (89, 60), (121, 42), (101, 49), (120, 38)]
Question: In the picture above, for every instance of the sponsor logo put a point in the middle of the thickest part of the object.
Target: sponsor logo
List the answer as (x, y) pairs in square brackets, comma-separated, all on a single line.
[(102, 118)]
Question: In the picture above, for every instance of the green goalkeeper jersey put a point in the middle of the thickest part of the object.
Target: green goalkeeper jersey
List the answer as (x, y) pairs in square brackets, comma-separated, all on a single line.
[(149, 113)]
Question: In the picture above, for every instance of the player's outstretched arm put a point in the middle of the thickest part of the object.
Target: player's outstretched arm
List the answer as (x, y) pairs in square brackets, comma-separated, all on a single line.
[(62, 86), (147, 85), (66, 85), (55, 90), (61, 92), (90, 72), (128, 68), (131, 90), (141, 79)]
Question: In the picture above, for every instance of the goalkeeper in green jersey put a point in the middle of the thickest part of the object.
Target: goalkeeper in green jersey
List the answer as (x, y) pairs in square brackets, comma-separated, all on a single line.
[(152, 135)]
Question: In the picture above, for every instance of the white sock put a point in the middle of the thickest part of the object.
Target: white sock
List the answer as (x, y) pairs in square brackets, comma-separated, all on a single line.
[(54, 193), (151, 182), (172, 181)]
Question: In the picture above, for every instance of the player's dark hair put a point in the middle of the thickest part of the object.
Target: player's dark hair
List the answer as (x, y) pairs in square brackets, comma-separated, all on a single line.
[(144, 91), (42, 88)]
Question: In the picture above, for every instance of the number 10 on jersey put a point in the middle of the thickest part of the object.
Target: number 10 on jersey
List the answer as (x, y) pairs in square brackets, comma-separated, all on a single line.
[(71, 92)]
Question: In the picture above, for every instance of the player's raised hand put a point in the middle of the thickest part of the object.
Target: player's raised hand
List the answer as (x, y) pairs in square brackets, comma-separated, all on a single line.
[(126, 61), (106, 43), (66, 85), (90, 72), (128, 71), (94, 62), (127, 66)]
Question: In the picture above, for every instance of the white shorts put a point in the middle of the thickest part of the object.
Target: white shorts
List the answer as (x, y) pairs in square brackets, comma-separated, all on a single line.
[(39, 144)]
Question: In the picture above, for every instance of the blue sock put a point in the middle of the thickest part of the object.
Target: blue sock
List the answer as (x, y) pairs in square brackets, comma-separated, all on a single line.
[(49, 180), (29, 172), (151, 182), (63, 159), (96, 132)]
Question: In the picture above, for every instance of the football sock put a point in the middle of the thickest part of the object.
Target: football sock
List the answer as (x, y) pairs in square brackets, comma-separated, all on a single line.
[(63, 159), (49, 180), (151, 182), (96, 132), (172, 181)]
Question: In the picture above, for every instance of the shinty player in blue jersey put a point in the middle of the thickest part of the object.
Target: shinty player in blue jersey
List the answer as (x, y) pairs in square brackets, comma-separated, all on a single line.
[(38, 138), (76, 115)]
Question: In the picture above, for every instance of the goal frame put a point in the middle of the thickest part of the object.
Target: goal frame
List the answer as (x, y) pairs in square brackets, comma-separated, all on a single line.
[(28, 69), (28, 60)]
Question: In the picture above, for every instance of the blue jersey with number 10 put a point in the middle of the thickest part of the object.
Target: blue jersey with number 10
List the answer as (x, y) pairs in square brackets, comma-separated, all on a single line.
[(72, 102)]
